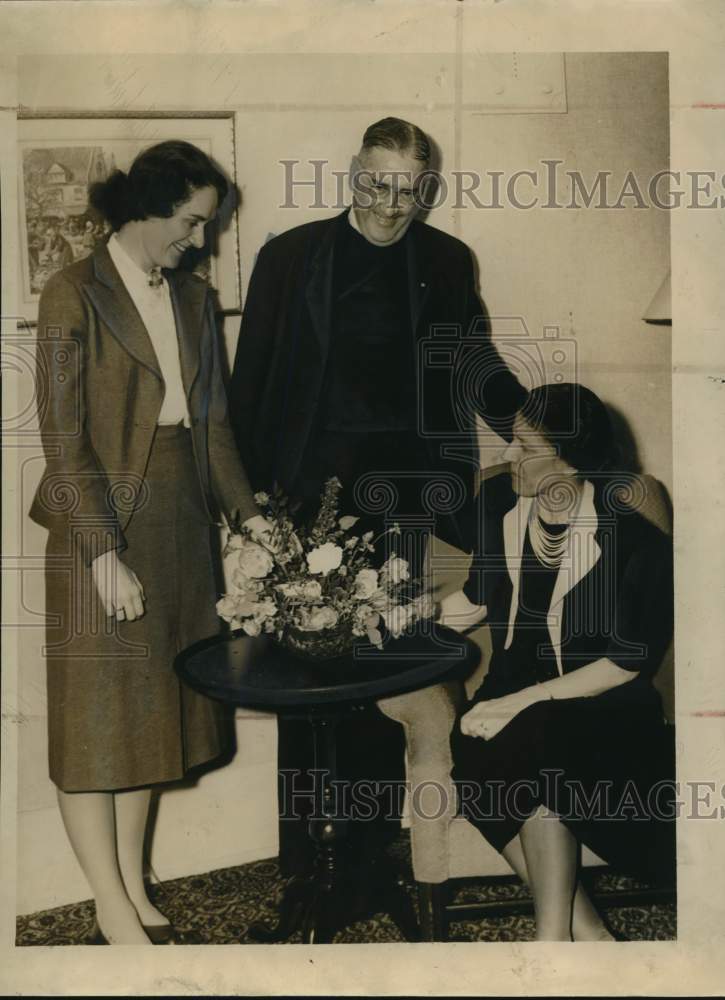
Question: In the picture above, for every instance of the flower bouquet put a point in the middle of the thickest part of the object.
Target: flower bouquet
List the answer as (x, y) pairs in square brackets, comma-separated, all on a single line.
[(315, 589)]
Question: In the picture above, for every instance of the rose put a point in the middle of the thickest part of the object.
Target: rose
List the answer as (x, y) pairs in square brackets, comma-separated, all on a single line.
[(346, 522), (324, 558), (366, 583), (317, 619), (364, 619), (380, 599), (232, 607), (422, 607), (396, 620), (254, 560), (323, 618), (302, 590), (244, 585), (261, 499), (264, 609), (395, 570)]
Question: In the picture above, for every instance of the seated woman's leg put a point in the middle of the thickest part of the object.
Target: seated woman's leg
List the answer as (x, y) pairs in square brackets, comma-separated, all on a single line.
[(89, 823), (586, 923), (551, 861)]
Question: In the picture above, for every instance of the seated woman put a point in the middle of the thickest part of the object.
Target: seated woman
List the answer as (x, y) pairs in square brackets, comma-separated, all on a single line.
[(565, 741)]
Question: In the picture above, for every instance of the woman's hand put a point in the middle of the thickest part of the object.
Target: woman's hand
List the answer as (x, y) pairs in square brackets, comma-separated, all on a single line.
[(261, 529), (119, 589), (488, 718)]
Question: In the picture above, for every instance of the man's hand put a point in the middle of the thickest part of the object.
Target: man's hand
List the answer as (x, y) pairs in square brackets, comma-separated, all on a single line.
[(488, 718), (119, 589)]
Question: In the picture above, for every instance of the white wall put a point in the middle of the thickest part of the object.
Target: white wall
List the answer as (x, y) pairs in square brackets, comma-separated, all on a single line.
[(589, 273)]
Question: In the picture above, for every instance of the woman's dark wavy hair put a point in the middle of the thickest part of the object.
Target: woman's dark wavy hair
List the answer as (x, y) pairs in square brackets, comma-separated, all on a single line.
[(575, 421), (161, 178)]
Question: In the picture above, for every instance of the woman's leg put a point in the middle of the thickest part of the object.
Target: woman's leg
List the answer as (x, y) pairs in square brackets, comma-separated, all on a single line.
[(132, 810), (550, 850), (89, 823), (586, 924)]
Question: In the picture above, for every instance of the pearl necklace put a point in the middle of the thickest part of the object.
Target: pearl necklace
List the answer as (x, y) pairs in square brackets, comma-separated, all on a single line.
[(548, 546)]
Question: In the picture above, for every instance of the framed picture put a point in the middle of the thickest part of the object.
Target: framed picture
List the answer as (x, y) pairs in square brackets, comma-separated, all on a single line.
[(59, 158)]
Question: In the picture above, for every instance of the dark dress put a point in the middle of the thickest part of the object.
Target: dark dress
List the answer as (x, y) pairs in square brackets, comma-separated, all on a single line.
[(603, 764)]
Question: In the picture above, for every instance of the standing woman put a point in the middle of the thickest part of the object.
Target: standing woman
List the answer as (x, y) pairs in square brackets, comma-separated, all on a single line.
[(140, 459), (565, 742)]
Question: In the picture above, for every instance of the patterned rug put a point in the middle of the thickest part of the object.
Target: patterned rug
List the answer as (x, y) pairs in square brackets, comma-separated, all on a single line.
[(219, 907)]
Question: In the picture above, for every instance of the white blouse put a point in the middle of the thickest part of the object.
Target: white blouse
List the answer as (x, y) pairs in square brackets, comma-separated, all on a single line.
[(157, 314)]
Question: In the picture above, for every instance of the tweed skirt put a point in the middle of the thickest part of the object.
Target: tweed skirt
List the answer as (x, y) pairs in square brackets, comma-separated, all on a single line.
[(118, 717)]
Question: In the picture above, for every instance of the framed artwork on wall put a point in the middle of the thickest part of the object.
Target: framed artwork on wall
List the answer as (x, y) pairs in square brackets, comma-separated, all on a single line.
[(59, 157)]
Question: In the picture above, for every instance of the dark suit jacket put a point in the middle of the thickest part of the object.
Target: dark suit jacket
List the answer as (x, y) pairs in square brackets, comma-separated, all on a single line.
[(284, 344), (613, 599), (101, 393)]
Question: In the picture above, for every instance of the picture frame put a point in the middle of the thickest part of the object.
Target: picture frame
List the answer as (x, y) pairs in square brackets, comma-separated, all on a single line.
[(60, 156)]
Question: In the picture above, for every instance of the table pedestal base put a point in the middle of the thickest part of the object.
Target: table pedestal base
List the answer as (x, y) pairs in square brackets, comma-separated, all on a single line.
[(335, 895), (321, 907)]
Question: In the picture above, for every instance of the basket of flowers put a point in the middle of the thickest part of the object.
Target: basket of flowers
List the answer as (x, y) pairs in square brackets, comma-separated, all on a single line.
[(315, 589)]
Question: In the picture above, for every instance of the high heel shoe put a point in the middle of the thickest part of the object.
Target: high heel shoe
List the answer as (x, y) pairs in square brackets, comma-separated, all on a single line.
[(156, 933), (96, 936), (160, 933), (617, 935)]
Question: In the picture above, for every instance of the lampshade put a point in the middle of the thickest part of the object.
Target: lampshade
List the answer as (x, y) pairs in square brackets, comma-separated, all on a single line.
[(659, 310)]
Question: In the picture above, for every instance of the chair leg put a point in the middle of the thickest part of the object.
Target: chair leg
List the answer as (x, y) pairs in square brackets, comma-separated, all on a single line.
[(432, 907)]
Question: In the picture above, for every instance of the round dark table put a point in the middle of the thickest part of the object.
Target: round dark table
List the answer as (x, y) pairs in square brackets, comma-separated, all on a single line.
[(258, 673)]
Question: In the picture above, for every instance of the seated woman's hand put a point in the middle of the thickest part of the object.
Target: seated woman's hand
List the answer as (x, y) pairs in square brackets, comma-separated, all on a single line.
[(119, 589), (488, 718)]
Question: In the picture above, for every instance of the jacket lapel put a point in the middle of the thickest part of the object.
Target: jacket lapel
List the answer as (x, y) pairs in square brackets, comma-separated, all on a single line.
[(188, 299), (582, 554), (115, 306), (318, 285), (514, 534)]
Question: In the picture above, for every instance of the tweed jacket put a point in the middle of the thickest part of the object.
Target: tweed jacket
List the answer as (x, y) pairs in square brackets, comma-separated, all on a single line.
[(101, 392)]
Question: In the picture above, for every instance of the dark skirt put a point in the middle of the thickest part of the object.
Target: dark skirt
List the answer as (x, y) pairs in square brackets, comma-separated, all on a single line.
[(604, 765), (118, 717)]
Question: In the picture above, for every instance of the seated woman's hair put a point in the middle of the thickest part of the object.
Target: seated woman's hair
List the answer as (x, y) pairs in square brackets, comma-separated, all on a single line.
[(575, 421), (161, 178)]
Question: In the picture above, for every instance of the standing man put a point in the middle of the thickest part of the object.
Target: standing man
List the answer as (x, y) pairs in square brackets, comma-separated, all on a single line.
[(329, 380)]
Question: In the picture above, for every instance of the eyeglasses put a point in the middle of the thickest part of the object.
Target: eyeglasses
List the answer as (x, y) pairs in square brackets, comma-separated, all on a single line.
[(376, 187)]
